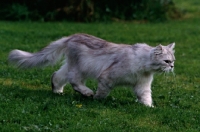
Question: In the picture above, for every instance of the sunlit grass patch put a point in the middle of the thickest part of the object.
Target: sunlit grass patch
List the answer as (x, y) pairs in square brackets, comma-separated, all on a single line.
[(9, 82)]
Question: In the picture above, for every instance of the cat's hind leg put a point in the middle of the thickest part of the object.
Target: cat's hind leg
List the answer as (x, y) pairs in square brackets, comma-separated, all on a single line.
[(77, 81), (59, 79), (104, 87), (71, 75), (81, 88)]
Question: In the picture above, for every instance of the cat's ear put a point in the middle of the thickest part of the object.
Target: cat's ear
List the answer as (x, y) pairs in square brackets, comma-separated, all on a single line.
[(171, 46), (158, 49)]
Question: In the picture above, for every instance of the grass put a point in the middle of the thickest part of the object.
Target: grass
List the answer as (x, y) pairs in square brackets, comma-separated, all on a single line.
[(27, 103)]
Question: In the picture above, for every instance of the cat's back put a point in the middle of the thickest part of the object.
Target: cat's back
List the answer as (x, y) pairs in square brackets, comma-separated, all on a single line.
[(89, 41), (141, 47)]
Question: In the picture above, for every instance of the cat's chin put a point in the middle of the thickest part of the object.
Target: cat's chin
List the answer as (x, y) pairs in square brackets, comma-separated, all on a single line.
[(168, 70), (164, 70)]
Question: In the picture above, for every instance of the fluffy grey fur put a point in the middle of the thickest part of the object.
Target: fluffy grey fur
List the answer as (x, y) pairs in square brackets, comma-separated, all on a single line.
[(111, 64)]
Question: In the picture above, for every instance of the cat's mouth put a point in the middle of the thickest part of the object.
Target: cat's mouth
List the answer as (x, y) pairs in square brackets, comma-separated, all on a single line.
[(168, 69)]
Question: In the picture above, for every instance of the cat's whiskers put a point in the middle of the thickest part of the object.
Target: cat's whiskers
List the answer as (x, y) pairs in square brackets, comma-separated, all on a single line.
[(173, 72)]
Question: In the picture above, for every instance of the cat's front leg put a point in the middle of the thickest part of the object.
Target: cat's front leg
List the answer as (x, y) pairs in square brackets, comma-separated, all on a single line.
[(143, 93)]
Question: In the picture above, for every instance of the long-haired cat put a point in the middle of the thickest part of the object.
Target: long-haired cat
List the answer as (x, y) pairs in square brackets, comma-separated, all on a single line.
[(111, 64)]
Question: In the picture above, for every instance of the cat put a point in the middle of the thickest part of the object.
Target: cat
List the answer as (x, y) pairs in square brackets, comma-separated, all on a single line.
[(87, 56)]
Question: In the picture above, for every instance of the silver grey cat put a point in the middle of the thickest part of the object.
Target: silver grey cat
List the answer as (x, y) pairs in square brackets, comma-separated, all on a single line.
[(111, 64)]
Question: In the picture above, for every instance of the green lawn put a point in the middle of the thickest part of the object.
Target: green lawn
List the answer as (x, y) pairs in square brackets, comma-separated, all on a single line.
[(27, 103)]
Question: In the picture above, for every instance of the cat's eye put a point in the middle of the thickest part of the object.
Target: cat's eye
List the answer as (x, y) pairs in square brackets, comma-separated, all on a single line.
[(167, 61)]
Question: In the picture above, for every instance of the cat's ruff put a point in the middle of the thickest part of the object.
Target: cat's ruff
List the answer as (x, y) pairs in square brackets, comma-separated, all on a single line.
[(111, 64)]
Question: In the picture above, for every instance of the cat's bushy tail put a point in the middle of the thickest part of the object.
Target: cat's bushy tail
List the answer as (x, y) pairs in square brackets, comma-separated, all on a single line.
[(47, 56)]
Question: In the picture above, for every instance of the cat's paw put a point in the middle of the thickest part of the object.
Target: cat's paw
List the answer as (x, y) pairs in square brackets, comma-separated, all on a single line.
[(88, 93), (152, 106), (97, 96), (146, 103), (57, 91)]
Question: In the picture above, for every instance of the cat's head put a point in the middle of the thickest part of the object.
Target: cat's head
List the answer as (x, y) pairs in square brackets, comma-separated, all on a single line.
[(163, 58)]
